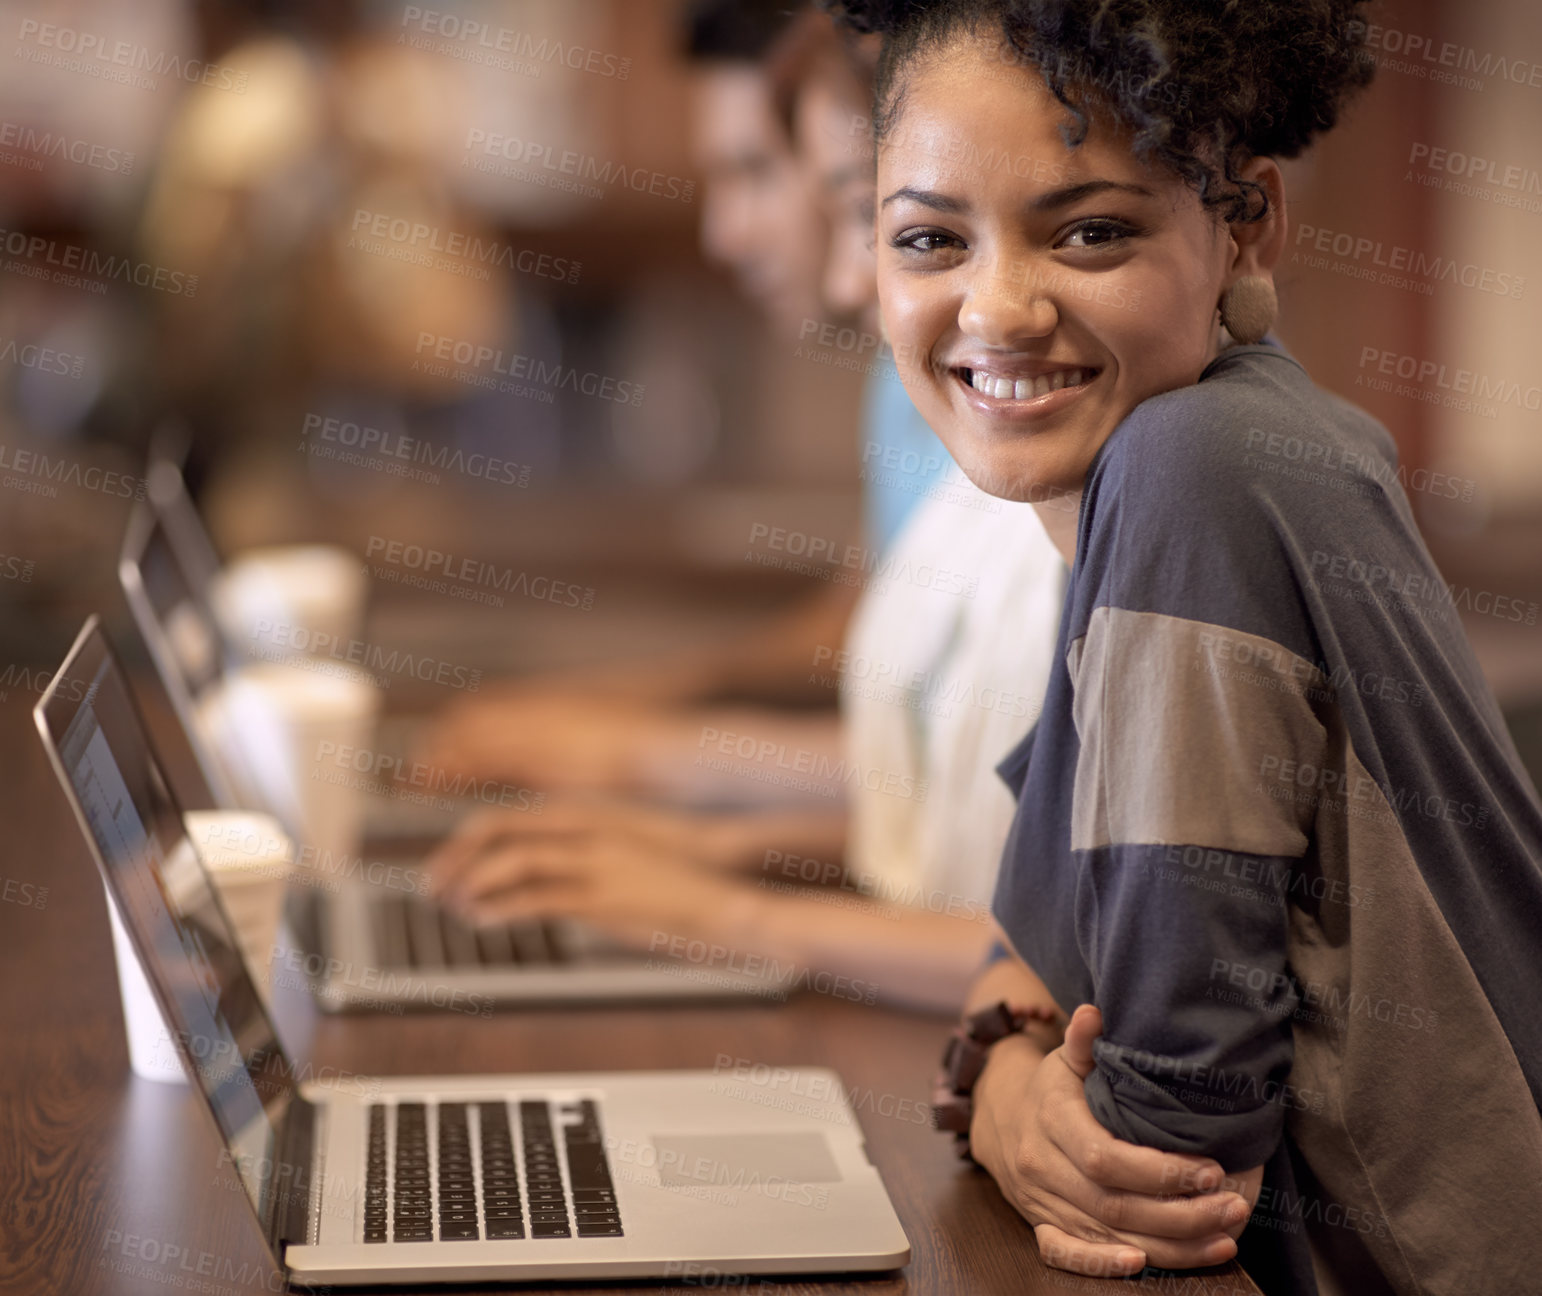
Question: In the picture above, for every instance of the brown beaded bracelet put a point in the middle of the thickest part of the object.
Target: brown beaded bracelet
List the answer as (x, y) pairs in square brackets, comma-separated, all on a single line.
[(964, 1059)]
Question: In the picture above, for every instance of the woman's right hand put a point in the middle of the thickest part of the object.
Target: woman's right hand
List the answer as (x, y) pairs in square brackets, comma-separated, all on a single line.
[(1098, 1205)]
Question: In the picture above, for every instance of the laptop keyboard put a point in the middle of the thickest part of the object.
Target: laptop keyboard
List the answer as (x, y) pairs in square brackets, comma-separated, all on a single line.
[(412, 931), (471, 1182)]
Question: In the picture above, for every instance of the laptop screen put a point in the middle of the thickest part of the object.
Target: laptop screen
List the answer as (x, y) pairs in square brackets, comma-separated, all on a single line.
[(168, 905), (183, 638), (179, 605)]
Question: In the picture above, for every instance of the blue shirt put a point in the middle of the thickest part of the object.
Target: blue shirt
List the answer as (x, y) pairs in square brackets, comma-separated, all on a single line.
[(901, 457)]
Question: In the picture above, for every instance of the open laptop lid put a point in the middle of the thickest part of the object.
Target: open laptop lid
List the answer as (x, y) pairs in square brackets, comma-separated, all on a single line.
[(175, 919), (166, 487), (181, 633)]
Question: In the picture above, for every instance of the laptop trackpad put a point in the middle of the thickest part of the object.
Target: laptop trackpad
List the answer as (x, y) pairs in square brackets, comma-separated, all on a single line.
[(744, 1160)]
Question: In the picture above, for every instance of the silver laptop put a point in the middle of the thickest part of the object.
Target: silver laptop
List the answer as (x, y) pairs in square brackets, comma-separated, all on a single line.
[(373, 947), (452, 1178)]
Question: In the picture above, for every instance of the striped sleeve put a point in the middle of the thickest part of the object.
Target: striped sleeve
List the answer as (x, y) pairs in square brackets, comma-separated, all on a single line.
[(1186, 861)]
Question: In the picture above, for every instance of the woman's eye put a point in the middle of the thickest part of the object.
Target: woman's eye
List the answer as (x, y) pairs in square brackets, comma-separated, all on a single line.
[(924, 240), (1097, 233)]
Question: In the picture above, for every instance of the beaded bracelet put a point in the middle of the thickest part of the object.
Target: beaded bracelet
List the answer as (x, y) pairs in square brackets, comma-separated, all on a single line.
[(964, 1059)]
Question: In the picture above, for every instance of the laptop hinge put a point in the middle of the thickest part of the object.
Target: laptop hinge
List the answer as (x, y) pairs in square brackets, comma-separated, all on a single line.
[(293, 1185)]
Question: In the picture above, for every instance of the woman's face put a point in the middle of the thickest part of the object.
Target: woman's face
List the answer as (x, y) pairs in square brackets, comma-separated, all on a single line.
[(1034, 294)]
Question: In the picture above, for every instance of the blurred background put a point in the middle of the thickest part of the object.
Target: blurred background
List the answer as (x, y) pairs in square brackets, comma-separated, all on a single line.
[(400, 285)]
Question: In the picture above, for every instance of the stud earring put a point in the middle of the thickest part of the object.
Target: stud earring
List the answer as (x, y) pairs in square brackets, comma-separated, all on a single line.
[(1249, 308)]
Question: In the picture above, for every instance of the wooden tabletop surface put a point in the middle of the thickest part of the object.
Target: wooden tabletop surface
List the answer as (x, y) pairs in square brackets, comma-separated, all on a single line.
[(114, 1185)]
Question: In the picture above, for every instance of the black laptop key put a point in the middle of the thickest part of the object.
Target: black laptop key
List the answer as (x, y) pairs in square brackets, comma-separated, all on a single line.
[(375, 1176), (457, 1197), (505, 1228), (539, 1229), (594, 1196)]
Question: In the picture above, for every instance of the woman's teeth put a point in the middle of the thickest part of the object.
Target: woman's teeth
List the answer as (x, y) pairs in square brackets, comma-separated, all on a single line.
[(1025, 388)]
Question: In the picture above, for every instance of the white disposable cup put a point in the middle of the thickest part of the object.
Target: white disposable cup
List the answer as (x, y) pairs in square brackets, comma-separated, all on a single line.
[(248, 859), (291, 600), (152, 1054), (293, 720)]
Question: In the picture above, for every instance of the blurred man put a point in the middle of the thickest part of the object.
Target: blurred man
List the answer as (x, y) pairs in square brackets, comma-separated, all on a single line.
[(923, 815), (637, 727), (760, 215)]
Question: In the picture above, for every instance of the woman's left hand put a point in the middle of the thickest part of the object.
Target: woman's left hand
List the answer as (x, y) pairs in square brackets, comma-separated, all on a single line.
[(1098, 1205)]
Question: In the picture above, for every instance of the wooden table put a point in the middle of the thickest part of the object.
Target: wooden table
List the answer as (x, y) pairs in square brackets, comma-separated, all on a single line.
[(113, 1184)]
